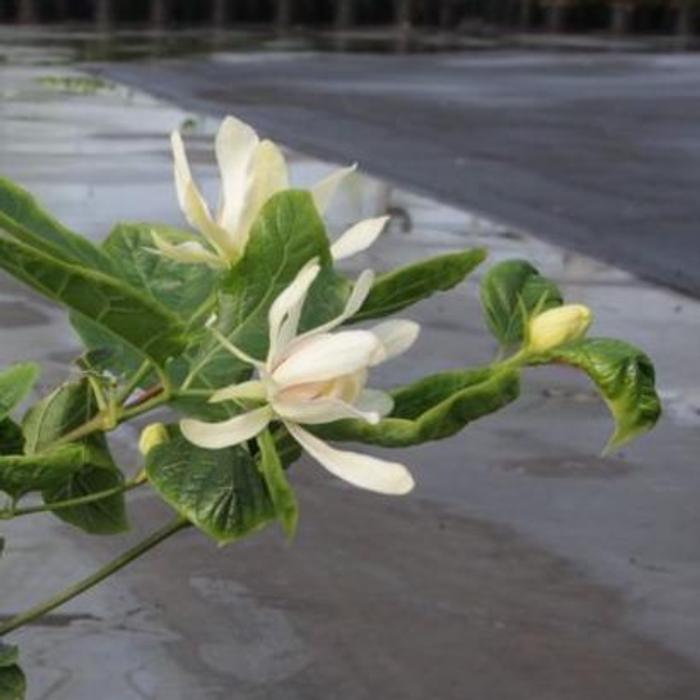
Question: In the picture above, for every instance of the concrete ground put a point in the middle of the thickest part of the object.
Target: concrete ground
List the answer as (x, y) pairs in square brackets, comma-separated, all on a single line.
[(523, 567), (595, 151)]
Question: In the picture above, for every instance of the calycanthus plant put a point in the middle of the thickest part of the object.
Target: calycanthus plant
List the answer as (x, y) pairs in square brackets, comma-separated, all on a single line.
[(244, 327)]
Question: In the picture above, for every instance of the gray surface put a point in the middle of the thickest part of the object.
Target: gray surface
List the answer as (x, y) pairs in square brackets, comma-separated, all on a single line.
[(524, 567), (598, 152)]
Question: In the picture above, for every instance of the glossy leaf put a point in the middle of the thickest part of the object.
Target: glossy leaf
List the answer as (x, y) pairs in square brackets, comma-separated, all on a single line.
[(625, 378), (63, 410), (432, 409), (108, 301), (408, 285), (220, 491), (21, 474), (281, 493), (15, 383), (510, 292), (23, 218)]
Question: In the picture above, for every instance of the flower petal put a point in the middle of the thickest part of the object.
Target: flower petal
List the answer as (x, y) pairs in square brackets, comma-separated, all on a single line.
[(193, 205), (357, 297), (317, 411), (357, 469), (235, 144), (327, 356), (375, 401), (250, 390), (188, 252), (395, 338), (286, 310), (216, 436), (358, 237), (323, 191), (267, 176)]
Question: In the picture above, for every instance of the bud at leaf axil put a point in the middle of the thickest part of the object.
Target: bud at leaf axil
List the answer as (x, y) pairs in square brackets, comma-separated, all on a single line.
[(151, 436), (555, 327)]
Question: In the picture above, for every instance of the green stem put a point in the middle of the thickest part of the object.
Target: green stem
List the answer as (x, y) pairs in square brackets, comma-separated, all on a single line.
[(129, 389), (71, 502), (87, 583)]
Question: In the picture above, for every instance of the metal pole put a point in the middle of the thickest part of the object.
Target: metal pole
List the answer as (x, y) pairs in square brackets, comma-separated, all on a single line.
[(344, 14), (219, 13), (619, 18), (27, 12), (159, 13), (284, 16), (103, 14), (684, 19), (556, 16), (526, 12)]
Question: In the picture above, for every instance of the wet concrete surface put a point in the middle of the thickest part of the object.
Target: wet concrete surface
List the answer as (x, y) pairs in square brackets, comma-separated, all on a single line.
[(524, 566), (596, 152)]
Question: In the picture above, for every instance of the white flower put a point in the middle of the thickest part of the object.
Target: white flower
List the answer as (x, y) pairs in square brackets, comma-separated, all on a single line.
[(252, 170), (312, 378)]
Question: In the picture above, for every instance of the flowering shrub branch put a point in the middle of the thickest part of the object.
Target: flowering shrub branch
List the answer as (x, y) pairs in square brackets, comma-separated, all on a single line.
[(247, 331)]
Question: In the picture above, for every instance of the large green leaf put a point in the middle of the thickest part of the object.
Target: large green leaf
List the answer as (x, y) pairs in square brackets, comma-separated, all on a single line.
[(21, 474), (287, 234), (408, 285), (147, 326), (281, 493), (185, 289), (220, 491), (432, 409), (15, 383), (63, 410), (22, 217), (510, 292), (13, 684), (625, 377)]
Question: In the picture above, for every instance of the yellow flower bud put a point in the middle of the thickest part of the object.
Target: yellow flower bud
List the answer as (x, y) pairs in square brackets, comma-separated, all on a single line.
[(555, 327), (151, 436)]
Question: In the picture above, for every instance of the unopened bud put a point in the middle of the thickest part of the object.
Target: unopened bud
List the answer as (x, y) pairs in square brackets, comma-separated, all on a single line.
[(151, 436), (555, 327)]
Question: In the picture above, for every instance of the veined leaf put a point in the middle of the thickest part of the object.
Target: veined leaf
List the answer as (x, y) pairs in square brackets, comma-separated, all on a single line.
[(220, 491), (22, 474), (432, 409), (63, 410), (408, 285), (23, 218), (625, 378), (510, 292), (141, 322), (15, 383)]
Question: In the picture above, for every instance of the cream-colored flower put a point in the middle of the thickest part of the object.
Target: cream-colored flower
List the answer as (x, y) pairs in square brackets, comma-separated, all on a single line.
[(252, 170), (312, 378), (557, 326), (151, 436)]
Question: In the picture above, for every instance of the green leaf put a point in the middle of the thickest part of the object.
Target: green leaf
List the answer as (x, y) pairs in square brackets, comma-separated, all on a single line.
[(22, 217), (15, 383), (185, 289), (62, 411), (408, 285), (287, 234), (220, 491), (11, 438), (13, 683), (145, 325), (21, 474), (281, 492), (510, 292), (433, 408), (625, 378)]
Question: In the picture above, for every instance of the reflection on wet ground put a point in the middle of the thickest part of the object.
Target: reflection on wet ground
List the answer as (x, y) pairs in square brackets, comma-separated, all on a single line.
[(496, 580)]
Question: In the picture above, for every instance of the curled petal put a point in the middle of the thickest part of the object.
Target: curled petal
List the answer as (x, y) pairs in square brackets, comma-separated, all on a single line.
[(188, 252), (317, 411), (193, 205), (323, 191), (358, 237), (235, 144), (216, 436), (357, 469), (395, 337), (267, 176), (327, 356), (253, 390), (286, 309)]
